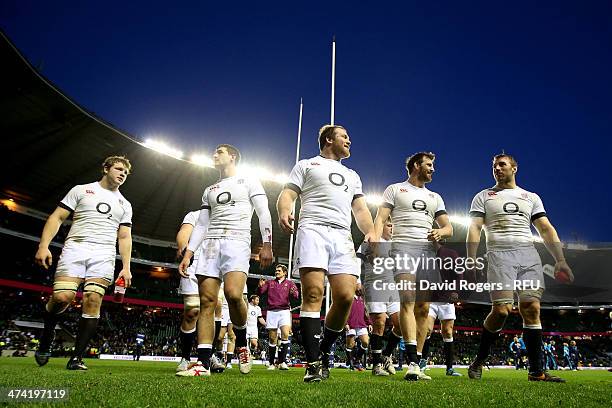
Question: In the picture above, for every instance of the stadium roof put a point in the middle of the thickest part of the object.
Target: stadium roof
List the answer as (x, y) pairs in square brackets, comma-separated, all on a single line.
[(51, 143)]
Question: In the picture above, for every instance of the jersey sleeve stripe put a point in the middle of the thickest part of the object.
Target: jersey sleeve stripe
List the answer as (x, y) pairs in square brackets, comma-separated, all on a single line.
[(65, 207), (293, 187), (387, 205), (475, 214), (439, 213), (538, 215), (126, 224), (205, 207), (255, 195), (356, 196)]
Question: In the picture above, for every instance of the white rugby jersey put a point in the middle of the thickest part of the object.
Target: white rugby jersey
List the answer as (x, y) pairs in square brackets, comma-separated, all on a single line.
[(231, 209), (508, 214), (327, 190), (98, 213), (253, 313), (413, 210), (192, 218)]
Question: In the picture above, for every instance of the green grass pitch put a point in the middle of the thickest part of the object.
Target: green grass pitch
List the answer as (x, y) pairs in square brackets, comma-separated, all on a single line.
[(148, 384)]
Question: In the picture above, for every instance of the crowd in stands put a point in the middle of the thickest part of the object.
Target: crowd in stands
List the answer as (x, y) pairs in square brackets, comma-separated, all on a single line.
[(121, 322)]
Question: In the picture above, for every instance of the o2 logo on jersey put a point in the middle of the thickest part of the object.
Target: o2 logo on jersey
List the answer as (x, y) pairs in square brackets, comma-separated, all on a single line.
[(225, 198), (104, 208), (512, 208), (419, 205), (338, 179), (253, 313)]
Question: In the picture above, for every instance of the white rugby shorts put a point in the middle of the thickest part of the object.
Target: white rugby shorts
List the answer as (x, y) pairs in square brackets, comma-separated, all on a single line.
[(221, 255), (328, 248), (252, 332), (86, 261), (275, 319), (357, 332), (225, 317), (442, 311), (506, 267), (389, 308)]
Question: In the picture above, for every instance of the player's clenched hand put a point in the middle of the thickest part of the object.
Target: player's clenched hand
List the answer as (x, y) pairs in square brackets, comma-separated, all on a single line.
[(563, 273), (369, 237), (265, 255), (126, 274), (285, 221), (434, 235), (43, 257), (185, 264)]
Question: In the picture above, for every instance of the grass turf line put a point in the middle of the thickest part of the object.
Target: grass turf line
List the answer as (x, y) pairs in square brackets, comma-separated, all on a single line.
[(141, 384)]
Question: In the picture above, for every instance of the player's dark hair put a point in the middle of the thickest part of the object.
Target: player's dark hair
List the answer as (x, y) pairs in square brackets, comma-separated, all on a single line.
[(513, 161), (327, 131), (232, 150), (253, 297), (111, 160), (417, 158)]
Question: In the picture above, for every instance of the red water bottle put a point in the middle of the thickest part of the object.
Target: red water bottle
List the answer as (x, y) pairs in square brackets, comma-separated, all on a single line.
[(119, 290)]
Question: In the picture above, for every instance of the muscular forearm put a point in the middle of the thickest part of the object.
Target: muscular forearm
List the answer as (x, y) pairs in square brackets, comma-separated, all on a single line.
[(552, 243), (125, 251), (50, 230), (363, 218), (284, 203), (472, 241), (447, 231)]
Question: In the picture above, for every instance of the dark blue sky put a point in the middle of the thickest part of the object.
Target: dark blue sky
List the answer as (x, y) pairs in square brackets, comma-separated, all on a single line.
[(462, 80)]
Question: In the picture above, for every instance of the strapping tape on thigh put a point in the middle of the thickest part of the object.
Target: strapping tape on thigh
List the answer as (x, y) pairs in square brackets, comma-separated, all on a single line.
[(60, 286), (94, 287)]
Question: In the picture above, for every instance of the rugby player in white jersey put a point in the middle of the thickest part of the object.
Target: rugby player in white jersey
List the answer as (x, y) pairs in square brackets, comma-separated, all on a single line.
[(101, 216), (223, 230), (254, 317), (225, 334), (414, 209), (328, 191), (380, 305), (188, 287), (507, 212)]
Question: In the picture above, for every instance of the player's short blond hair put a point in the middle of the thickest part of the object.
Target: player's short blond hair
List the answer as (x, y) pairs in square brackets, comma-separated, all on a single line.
[(111, 160), (327, 131)]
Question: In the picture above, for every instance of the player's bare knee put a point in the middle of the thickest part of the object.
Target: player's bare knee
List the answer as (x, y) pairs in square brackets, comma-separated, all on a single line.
[(421, 309), (190, 316), (501, 310), (236, 301), (208, 302), (530, 311), (312, 296), (62, 299), (343, 298)]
